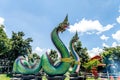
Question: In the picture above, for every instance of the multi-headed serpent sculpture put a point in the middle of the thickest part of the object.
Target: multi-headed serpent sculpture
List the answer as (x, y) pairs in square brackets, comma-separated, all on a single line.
[(21, 65)]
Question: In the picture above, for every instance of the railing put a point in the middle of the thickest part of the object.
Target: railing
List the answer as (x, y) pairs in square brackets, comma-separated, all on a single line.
[(102, 76), (5, 66), (40, 77), (99, 74)]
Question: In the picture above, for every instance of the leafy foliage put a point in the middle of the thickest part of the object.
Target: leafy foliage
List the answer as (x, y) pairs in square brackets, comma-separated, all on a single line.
[(82, 52), (111, 57), (20, 46), (5, 43), (111, 54), (32, 57), (90, 64), (53, 56), (14, 47)]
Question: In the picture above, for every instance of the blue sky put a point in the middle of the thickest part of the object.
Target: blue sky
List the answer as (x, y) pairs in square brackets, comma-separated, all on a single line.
[(97, 21)]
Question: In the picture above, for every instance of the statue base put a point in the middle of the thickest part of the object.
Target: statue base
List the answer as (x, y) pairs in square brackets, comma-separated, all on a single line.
[(56, 78), (77, 78), (74, 75)]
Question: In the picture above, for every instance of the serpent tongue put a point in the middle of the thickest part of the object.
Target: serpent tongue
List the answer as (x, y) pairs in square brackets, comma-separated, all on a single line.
[(66, 26)]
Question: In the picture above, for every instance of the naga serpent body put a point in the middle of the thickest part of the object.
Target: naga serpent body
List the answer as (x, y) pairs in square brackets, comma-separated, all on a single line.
[(76, 66), (63, 66), (20, 63), (23, 66)]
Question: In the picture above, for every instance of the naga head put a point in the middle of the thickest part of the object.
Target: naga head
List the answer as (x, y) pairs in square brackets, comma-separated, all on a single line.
[(62, 26), (75, 37)]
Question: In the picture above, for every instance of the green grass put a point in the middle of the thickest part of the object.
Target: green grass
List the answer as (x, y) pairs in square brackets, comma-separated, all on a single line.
[(88, 78), (92, 79), (4, 77)]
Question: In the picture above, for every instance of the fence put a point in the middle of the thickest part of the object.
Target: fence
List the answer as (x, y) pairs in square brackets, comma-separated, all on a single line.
[(5, 65), (102, 76), (39, 77)]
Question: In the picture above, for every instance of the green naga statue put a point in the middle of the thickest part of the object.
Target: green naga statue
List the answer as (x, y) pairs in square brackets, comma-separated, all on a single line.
[(76, 58), (23, 66), (63, 67)]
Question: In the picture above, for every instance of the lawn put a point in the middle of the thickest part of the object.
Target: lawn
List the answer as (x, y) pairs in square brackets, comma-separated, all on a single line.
[(96, 79), (4, 77)]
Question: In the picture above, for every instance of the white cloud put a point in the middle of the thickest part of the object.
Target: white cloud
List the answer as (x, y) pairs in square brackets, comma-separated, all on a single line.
[(105, 45), (94, 51), (116, 36), (1, 20), (114, 44), (39, 51), (48, 51), (90, 26), (103, 37), (118, 19)]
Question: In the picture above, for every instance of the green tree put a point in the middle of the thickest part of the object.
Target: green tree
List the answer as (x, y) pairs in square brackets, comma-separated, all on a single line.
[(20, 46), (82, 52), (53, 56), (32, 57), (111, 54), (5, 43), (90, 64)]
